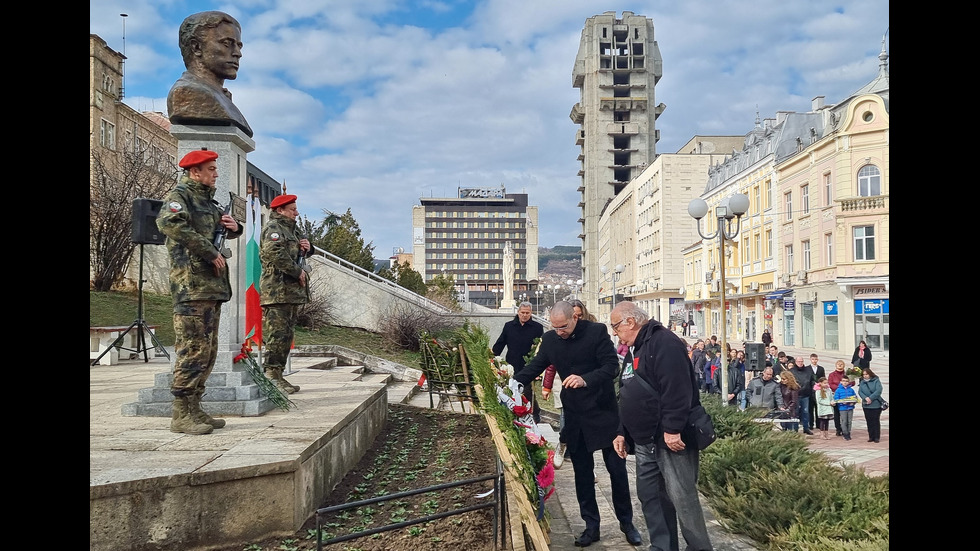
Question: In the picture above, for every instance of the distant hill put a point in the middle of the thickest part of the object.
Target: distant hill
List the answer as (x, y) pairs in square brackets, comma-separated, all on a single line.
[(558, 252)]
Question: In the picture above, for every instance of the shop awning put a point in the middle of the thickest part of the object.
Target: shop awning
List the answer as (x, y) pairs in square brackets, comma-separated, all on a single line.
[(778, 294)]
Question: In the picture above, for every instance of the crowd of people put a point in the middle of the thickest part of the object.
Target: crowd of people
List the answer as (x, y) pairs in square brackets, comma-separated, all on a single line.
[(647, 414), (806, 393)]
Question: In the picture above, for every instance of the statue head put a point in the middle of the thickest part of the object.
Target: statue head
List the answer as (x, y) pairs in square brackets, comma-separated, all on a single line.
[(211, 45)]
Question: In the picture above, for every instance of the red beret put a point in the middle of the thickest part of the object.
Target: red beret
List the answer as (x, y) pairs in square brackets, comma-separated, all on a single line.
[(282, 200), (197, 157)]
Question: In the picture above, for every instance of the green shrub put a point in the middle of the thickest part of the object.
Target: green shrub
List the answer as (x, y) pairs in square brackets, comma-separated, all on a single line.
[(767, 485)]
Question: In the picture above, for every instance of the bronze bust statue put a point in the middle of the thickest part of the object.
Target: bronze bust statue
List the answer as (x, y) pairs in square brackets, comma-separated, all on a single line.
[(211, 45)]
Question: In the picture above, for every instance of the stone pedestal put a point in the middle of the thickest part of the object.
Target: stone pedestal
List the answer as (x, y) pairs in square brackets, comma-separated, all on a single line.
[(228, 382)]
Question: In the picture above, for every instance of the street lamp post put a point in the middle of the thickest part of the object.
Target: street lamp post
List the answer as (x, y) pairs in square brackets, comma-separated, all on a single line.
[(730, 207), (537, 299), (615, 277), (554, 293), (496, 298), (575, 286)]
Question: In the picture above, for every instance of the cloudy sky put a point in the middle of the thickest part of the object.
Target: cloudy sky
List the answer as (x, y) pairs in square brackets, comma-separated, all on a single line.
[(370, 105)]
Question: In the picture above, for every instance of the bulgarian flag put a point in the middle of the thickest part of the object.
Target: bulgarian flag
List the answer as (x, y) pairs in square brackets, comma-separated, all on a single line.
[(253, 271)]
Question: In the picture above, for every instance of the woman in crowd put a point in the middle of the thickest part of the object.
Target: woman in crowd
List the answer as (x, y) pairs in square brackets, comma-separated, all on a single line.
[(870, 393), (834, 380), (861, 356), (790, 390)]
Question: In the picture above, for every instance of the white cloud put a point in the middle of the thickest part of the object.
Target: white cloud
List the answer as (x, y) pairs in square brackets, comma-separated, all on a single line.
[(354, 107)]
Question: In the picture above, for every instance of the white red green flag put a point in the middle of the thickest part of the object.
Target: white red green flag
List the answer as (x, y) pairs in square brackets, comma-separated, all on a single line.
[(253, 270)]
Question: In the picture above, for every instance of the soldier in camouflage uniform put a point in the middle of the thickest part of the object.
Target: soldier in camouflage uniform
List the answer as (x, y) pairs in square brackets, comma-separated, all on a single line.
[(199, 283), (284, 284)]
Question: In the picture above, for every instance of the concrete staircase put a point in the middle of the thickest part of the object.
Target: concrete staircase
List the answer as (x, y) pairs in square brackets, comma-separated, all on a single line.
[(396, 377)]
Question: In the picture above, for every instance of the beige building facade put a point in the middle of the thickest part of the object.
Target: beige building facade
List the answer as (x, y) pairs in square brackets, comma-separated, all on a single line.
[(810, 261), (646, 225)]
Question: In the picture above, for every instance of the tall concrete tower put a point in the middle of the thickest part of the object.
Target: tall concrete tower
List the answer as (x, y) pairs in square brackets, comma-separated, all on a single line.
[(616, 69)]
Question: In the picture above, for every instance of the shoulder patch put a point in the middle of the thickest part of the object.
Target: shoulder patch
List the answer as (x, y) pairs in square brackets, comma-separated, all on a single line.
[(274, 236), (175, 206)]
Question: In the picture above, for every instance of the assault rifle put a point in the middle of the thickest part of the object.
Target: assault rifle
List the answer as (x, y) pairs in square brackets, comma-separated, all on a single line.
[(220, 232), (301, 260)]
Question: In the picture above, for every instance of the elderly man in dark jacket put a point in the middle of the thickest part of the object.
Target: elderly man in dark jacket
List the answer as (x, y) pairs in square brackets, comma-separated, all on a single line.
[(655, 416), (586, 360)]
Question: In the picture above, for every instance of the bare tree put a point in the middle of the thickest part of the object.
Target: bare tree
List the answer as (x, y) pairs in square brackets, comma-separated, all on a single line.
[(140, 170)]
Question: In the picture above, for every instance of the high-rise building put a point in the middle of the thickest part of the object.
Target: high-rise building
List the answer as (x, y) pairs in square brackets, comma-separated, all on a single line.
[(616, 69), (464, 238)]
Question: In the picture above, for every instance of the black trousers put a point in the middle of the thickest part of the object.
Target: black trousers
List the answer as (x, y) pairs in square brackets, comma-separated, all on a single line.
[(837, 419), (584, 466), (873, 418)]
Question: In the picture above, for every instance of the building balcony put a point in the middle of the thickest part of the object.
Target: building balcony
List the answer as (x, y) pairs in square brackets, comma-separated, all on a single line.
[(579, 137), (874, 203), (577, 114)]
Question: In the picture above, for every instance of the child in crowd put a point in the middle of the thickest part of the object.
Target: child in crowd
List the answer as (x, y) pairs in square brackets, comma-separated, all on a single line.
[(825, 410), (845, 398)]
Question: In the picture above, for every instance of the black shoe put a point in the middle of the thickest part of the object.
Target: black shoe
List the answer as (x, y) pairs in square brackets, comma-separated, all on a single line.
[(871, 439), (587, 537), (877, 441), (632, 534), (808, 431), (839, 433)]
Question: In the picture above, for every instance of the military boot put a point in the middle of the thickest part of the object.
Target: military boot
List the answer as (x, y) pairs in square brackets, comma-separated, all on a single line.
[(182, 421), (201, 416), (274, 374), (295, 388)]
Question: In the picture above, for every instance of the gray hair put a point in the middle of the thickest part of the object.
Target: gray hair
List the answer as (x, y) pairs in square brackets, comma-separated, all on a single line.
[(525, 303), (629, 309)]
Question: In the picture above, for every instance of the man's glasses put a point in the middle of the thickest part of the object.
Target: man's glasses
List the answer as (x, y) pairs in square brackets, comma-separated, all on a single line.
[(615, 326), (560, 327)]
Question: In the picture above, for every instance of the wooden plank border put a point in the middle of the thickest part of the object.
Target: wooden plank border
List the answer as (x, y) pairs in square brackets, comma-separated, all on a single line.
[(528, 518)]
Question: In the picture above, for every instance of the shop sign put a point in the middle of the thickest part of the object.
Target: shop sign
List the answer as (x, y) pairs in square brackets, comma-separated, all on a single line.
[(789, 304)]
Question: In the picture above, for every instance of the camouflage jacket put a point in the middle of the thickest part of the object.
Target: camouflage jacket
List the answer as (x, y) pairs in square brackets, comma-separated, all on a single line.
[(279, 254), (189, 217)]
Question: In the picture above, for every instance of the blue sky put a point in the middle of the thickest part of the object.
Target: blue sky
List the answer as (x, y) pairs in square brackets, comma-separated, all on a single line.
[(370, 105)]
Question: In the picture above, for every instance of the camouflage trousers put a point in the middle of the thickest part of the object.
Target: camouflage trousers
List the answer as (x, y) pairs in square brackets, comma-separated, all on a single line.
[(278, 323), (196, 347)]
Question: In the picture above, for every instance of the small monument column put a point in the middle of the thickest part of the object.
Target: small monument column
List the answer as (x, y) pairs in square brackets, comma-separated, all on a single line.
[(508, 300)]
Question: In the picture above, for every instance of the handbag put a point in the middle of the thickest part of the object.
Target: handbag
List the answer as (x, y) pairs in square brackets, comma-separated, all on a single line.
[(884, 405), (699, 422), (704, 428)]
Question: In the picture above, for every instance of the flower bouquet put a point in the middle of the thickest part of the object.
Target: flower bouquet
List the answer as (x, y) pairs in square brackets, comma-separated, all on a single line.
[(266, 387), (540, 454)]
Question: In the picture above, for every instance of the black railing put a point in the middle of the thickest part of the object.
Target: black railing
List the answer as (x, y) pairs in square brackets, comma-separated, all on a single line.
[(498, 509)]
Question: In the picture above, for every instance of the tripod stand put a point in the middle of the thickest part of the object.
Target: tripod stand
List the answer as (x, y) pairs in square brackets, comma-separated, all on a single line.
[(140, 325)]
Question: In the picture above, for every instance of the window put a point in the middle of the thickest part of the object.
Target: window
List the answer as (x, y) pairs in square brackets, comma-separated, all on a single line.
[(827, 190), (805, 198), (831, 336), (768, 243), (806, 255), (788, 205), (108, 135), (789, 259), (828, 240), (758, 247), (869, 181), (745, 248), (864, 243), (768, 193), (758, 198)]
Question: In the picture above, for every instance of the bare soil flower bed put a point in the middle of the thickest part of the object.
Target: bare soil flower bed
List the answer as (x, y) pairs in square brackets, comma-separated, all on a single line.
[(417, 449)]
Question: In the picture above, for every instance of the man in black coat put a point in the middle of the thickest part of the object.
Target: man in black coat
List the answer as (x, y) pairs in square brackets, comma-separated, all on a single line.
[(518, 336), (585, 358), (818, 373), (804, 376)]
